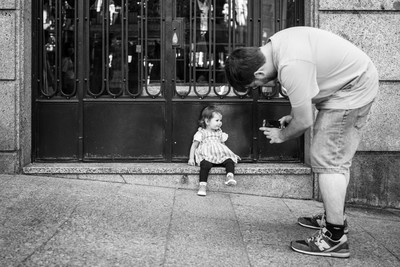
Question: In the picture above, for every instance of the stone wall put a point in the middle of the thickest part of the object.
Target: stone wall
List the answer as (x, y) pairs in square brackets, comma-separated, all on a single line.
[(374, 26), (15, 76)]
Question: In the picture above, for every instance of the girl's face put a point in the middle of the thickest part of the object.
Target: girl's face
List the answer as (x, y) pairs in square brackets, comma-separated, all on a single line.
[(215, 122)]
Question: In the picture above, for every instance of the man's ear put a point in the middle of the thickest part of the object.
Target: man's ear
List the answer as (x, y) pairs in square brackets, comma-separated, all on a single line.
[(259, 74)]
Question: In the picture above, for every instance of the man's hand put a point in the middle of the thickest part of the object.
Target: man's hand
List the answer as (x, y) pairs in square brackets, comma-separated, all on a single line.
[(300, 119), (191, 162), (274, 134), (285, 120)]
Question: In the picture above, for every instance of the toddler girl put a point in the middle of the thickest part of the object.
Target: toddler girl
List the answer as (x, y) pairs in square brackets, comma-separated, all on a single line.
[(208, 148)]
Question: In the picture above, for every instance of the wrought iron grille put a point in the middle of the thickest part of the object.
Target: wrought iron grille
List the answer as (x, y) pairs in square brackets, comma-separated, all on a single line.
[(119, 44)]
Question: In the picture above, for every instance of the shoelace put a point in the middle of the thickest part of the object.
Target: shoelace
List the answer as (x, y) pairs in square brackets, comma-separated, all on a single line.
[(319, 218), (316, 237)]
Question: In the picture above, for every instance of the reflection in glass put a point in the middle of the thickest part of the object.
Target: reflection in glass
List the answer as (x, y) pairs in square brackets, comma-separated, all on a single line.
[(115, 61), (212, 29), (134, 49), (106, 76), (267, 20), (58, 38), (125, 48), (151, 54), (235, 12)]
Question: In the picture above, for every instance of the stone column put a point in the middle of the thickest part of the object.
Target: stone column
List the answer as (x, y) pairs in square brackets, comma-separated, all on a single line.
[(15, 88)]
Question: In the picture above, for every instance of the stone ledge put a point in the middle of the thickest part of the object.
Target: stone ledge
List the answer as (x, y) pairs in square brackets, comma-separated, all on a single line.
[(161, 168)]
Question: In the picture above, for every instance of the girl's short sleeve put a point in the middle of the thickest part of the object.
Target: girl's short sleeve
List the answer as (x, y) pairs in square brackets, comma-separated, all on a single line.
[(224, 137), (198, 136)]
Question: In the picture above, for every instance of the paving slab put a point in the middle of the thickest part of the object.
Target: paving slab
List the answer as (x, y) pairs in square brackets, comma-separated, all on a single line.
[(267, 225), (204, 232), (118, 227)]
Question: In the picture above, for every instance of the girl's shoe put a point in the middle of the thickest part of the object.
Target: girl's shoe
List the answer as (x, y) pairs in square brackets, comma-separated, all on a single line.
[(202, 189), (230, 180)]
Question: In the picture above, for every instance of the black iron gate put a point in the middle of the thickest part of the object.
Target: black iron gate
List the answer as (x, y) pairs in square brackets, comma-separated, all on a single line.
[(125, 80)]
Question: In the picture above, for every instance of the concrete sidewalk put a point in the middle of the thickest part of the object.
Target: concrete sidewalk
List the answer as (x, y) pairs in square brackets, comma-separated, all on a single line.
[(48, 221)]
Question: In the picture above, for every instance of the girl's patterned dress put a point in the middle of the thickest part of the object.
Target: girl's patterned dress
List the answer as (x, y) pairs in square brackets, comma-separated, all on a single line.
[(212, 147)]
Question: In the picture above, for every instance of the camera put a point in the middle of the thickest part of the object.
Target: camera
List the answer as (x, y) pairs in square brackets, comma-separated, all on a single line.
[(273, 124)]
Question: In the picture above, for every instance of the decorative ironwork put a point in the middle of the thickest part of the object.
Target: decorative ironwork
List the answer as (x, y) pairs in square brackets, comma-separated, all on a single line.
[(124, 54)]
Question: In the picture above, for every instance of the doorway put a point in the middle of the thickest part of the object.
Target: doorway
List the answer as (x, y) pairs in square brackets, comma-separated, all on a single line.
[(124, 80)]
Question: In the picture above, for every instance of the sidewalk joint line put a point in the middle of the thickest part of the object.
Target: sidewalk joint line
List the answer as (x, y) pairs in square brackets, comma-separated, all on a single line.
[(51, 237), (122, 176), (168, 236), (240, 231)]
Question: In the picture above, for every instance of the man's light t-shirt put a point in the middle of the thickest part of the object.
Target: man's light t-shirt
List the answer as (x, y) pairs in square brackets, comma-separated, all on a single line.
[(319, 65)]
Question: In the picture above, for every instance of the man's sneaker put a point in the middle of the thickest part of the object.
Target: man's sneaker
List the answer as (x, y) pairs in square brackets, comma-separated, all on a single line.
[(202, 189), (320, 244), (318, 222), (230, 180)]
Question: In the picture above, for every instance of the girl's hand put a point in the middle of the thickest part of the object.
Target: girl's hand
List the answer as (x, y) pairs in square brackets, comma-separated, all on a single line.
[(191, 162)]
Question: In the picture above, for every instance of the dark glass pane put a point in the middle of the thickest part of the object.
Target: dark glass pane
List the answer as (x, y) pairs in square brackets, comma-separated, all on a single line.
[(49, 40), (96, 49), (68, 66), (106, 45), (152, 48), (268, 19), (115, 62), (134, 47), (58, 39)]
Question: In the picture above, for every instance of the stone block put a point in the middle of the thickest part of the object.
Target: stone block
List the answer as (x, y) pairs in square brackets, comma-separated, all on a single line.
[(277, 180), (359, 5), (7, 45), (8, 4), (393, 195), (7, 116), (368, 182), (377, 34), (374, 179), (8, 162), (382, 131)]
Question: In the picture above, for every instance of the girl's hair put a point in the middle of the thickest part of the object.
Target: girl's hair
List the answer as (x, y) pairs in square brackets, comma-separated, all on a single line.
[(241, 65), (207, 114)]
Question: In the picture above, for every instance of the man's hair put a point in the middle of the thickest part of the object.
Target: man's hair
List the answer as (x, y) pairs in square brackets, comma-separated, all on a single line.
[(241, 65)]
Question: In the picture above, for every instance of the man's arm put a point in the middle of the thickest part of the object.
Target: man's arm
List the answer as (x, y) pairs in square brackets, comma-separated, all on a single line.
[(302, 119)]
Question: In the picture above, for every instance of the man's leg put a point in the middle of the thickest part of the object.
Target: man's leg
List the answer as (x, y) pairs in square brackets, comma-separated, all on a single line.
[(318, 220), (333, 190), (336, 137)]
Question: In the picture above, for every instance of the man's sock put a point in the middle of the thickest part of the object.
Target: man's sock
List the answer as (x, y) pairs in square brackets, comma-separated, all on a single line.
[(337, 231)]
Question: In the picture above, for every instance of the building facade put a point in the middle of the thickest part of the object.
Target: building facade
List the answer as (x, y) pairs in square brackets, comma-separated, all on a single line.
[(124, 81)]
